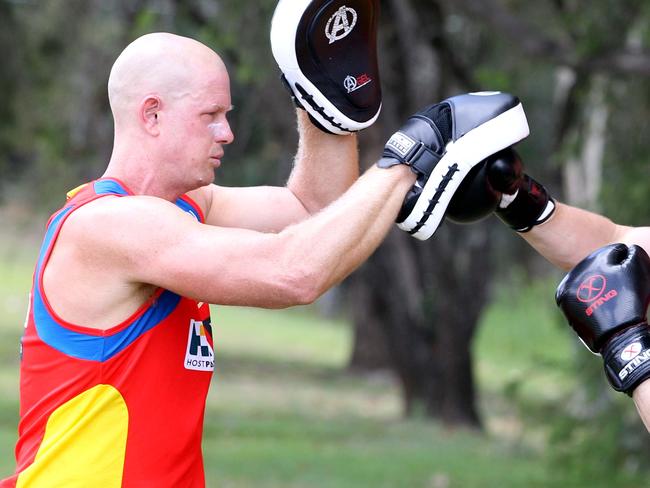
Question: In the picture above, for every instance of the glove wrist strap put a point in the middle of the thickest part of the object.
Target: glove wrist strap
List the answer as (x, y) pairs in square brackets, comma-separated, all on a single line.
[(627, 358), (530, 206)]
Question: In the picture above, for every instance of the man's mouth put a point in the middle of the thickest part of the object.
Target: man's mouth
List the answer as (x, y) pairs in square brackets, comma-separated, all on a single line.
[(216, 160)]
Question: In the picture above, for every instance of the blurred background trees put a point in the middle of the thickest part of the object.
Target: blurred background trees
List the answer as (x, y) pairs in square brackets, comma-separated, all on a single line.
[(581, 68)]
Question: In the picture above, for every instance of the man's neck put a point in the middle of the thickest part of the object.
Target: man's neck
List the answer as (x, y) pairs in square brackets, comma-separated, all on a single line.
[(142, 175)]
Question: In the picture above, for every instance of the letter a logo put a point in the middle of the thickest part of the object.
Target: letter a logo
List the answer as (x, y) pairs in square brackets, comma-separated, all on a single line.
[(341, 24)]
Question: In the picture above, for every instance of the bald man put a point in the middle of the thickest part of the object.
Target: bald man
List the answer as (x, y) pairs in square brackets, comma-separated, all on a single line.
[(117, 353)]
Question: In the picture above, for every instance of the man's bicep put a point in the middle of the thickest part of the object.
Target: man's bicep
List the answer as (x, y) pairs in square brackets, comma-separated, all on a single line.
[(260, 208), (635, 235), (171, 250)]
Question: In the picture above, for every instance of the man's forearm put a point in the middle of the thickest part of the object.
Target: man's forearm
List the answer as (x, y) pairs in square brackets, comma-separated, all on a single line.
[(642, 401), (571, 234), (331, 245), (325, 167)]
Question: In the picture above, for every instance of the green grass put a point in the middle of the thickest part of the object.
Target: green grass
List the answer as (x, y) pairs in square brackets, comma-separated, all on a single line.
[(299, 450), (15, 281), (523, 350), (282, 412)]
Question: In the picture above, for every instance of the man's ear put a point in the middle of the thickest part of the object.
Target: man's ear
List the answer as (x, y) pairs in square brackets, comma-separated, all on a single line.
[(149, 109)]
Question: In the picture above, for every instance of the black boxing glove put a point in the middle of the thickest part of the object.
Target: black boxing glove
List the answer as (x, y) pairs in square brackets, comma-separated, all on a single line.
[(498, 184), (475, 198), (605, 299), (524, 203)]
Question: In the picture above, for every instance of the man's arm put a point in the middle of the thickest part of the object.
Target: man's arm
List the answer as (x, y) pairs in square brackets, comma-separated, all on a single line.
[(642, 401), (325, 166), (571, 233), (149, 240), (561, 233), (575, 239), (315, 75)]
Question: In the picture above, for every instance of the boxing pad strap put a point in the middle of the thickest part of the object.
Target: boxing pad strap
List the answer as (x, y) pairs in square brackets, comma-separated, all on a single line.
[(423, 160), (294, 98), (627, 358), (402, 149)]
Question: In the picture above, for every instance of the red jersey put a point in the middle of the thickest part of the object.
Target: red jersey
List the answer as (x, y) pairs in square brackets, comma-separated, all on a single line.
[(116, 407)]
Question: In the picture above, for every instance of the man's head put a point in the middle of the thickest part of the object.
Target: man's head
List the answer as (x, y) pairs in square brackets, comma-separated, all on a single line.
[(169, 96)]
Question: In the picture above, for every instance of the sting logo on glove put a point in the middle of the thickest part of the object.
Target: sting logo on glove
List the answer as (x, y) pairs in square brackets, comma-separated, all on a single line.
[(592, 291), (638, 358)]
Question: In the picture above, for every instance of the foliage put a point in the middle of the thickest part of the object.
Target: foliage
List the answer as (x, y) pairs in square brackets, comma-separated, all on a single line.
[(558, 390), (55, 132), (56, 129)]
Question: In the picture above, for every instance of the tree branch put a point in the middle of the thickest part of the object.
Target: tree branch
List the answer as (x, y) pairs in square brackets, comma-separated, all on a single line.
[(528, 38), (532, 42), (624, 61)]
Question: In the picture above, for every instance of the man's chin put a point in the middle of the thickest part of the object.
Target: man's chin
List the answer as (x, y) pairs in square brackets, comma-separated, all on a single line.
[(205, 180)]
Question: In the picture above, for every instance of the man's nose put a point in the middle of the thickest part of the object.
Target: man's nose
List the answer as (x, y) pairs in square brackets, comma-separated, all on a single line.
[(222, 132)]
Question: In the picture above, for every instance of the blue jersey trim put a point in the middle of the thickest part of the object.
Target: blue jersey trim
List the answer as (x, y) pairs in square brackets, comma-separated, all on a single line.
[(49, 235), (99, 348), (112, 187), (186, 206), (109, 187)]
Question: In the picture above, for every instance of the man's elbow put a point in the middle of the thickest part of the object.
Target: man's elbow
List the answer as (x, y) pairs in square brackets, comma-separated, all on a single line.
[(303, 287)]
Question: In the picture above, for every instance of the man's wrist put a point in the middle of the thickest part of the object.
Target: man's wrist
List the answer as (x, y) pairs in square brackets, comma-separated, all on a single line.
[(627, 358)]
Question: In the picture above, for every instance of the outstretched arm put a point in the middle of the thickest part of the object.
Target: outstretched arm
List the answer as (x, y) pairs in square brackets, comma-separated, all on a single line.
[(571, 233), (607, 291), (561, 233), (149, 240), (582, 241)]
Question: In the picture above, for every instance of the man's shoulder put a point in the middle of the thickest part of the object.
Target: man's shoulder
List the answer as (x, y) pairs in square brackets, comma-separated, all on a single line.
[(111, 208), (112, 218)]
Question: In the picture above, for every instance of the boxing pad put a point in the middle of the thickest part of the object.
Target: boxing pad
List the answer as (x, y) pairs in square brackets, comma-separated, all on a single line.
[(442, 144), (327, 52)]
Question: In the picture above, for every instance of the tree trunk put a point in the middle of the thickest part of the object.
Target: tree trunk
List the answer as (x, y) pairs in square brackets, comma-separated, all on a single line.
[(424, 297), (369, 349), (429, 303)]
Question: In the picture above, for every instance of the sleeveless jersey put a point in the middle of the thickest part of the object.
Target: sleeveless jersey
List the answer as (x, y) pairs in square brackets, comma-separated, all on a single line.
[(116, 407)]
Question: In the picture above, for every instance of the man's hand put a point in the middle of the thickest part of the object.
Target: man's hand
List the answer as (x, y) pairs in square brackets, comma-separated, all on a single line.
[(605, 298), (327, 51), (443, 143)]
